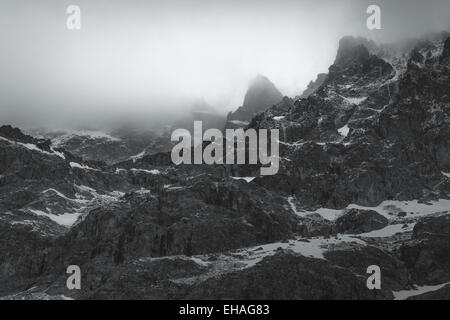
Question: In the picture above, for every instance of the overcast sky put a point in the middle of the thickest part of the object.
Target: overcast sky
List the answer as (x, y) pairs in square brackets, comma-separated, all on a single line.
[(135, 55)]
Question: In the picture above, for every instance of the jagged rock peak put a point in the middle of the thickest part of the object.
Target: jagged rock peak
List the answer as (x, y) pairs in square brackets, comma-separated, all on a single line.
[(12, 133), (260, 80), (261, 94), (350, 47), (446, 52)]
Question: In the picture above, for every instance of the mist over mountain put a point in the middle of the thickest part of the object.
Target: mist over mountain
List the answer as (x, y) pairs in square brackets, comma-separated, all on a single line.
[(87, 176), (364, 179), (261, 95), (150, 59)]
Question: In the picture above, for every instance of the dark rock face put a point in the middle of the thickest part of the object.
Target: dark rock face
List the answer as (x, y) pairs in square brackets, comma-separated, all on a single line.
[(373, 131), (360, 221), (20, 241), (261, 95), (182, 223), (289, 277), (183, 211), (349, 46), (428, 253), (435, 226), (446, 52), (153, 281), (356, 60), (395, 274)]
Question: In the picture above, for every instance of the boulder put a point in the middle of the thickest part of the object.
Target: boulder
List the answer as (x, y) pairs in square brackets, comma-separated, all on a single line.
[(356, 221)]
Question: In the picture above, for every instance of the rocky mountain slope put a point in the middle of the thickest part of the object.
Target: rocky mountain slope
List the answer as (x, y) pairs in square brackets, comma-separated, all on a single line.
[(314, 85), (120, 145), (133, 141), (364, 180)]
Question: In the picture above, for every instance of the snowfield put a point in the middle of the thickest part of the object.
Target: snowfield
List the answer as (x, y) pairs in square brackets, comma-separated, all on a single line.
[(86, 200), (389, 209), (312, 248), (388, 231), (66, 219), (405, 294), (417, 209), (344, 131)]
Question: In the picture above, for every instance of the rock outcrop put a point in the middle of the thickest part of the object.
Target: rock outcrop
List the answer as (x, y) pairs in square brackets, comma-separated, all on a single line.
[(261, 95), (360, 221)]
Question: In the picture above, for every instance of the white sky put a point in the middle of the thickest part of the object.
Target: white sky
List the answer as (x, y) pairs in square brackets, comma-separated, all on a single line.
[(138, 55)]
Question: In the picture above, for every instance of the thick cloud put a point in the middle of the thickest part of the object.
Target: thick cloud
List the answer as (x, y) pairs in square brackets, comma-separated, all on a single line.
[(138, 57)]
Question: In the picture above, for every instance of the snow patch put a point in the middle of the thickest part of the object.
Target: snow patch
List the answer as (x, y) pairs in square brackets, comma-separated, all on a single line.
[(329, 214), (170, 187), (86, 200), (200, 261), (300, 213), (66, 219), (138, 156), (239, 123), (80, 166), (293, 207), (86, 189), (405, 294), (59, 154), (446, 174), (419, 209), (389, 231), (247, 179), (312, 248), (356, 101), (154, 171), (143, 191), (390, 209), (64, 196), (344, 130)]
